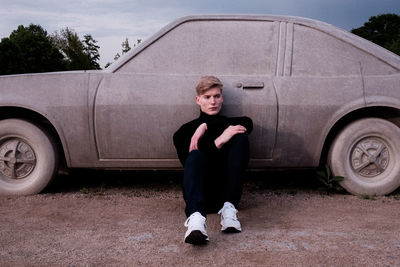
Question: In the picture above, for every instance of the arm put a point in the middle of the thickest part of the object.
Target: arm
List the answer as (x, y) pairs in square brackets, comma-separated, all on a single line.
[(180, 144), (246, 122), (238, 125), (182, 140), (187, 139), (198, 134), (228, 134)]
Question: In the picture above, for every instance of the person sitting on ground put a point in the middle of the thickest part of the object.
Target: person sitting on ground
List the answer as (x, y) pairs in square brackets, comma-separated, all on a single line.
[(214, 151)]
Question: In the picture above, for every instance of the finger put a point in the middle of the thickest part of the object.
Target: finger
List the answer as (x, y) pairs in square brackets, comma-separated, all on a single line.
[(240, 130), (242, 127), (193, 146), (238, 127)]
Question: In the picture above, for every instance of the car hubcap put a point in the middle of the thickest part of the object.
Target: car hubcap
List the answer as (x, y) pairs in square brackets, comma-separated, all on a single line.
[(370, 157), (17, 159)]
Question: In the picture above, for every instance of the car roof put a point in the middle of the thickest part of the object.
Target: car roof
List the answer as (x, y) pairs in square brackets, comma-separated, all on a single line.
[(361, 43)]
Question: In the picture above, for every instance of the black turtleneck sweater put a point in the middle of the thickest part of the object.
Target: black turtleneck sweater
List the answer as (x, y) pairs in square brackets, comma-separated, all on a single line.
[(216, 124)]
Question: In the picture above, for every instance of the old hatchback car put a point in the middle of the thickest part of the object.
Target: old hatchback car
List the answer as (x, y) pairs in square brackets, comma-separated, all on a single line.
[(316, 94)]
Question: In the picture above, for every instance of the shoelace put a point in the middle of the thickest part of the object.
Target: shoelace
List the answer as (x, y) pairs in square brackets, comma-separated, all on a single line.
[(195, 220), (228, 211)]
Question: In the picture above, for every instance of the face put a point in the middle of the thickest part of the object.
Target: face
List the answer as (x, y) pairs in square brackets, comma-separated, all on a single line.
[(211, 101)]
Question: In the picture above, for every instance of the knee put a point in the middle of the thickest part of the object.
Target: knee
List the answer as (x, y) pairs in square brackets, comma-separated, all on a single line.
[(240, 139), (240, 145), (195, 157)]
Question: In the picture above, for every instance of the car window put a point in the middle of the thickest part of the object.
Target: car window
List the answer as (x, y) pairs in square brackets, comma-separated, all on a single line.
[(217, 47), (316, 53)]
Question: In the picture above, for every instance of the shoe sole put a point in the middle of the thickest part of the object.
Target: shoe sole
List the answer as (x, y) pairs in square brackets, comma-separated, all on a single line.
[(231, 230), (196, 238)]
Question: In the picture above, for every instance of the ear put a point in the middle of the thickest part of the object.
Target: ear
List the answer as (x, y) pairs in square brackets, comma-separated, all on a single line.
[(198, 100)]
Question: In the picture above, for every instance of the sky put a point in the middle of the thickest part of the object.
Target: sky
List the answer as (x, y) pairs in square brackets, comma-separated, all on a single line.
[(110, 22)]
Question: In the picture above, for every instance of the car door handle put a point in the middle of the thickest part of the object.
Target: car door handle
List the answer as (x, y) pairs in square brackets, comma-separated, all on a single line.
[(250, 85)]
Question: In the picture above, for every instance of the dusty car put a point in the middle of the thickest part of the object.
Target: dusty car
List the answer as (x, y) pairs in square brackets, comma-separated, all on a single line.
[(315, 93)]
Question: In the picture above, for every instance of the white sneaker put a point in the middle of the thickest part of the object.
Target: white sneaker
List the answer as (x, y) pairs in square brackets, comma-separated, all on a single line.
[(196, 233), (229, 220)]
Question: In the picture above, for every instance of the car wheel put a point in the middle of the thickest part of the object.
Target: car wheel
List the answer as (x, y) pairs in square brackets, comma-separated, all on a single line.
[(28, 158), (367, 154)]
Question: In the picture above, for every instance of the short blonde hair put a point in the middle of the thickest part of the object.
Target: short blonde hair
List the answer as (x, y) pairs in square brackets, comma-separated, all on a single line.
[(207, 82)]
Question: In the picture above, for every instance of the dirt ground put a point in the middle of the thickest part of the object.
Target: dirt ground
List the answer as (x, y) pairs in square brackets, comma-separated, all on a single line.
[(110, 218)]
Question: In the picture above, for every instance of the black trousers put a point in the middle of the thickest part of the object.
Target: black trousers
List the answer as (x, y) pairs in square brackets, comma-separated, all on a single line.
[(210, 180)]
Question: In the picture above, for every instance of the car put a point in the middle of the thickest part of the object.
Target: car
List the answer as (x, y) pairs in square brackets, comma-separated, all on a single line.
[(317, 95)]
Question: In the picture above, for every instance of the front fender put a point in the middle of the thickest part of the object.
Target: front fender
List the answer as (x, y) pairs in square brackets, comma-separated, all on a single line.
[(61, 98)]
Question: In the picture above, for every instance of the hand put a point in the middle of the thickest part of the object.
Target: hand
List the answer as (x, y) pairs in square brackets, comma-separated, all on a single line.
[(228, 134), (198, 134)]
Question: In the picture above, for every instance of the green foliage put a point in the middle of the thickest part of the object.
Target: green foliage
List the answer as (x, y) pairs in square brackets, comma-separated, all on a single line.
[(29, 49), (116, 57), (78, 55), (383, 30), (92, 51), (125, 46), (395, 46), (326, 177), (125, 49), (11, 58)]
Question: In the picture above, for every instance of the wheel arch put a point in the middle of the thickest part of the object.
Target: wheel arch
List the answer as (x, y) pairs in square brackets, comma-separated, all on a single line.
[(40, 120), (391, 114)]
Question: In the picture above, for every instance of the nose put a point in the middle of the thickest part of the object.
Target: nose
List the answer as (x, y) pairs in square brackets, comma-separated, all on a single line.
[(213, 100)]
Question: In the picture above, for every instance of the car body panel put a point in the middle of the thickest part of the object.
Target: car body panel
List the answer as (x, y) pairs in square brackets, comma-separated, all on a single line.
[(339, 34), (150, 116), (295, 77), (304, 115), (61, 98), (382, 90)]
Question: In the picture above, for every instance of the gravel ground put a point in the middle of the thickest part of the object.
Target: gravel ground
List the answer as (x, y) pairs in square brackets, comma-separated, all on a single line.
[(114, 218)]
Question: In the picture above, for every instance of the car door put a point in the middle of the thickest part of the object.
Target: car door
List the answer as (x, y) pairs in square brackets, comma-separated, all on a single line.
[(321, 81), (141, 105)]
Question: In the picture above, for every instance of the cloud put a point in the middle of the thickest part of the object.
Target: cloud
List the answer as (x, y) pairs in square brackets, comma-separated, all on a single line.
[(111, 21), (108, 21)]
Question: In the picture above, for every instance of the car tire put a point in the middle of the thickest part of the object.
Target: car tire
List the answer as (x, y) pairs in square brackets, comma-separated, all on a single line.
[(367, 154), (28, 158)]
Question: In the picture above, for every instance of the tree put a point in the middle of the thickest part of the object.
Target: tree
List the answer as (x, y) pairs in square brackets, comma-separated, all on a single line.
[(125, 49), (116, 57), (11, 59), (395, 46), (29, 49), (78, 55), (92, 51), (125, 46), (383, 30)]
